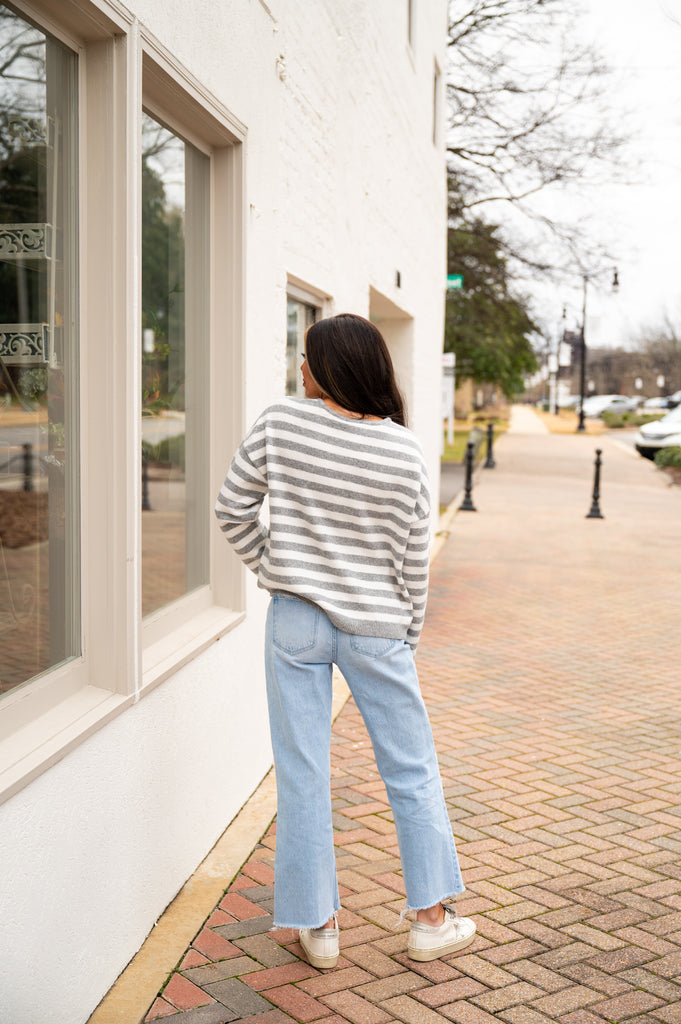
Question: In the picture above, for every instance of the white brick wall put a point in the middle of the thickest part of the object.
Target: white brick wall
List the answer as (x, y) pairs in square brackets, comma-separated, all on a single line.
[(345, 186)]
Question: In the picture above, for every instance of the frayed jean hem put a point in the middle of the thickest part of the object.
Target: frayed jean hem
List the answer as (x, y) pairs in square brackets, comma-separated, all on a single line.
[(442, 899), (297, 927)]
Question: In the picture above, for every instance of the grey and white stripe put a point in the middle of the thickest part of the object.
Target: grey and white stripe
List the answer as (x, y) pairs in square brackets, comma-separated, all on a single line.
[(349, 515)]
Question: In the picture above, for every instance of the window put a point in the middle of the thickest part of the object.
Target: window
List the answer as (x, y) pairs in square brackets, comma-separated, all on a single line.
[(39, 472), (299, 316), (191, 361), (175, 326), (110, 576)]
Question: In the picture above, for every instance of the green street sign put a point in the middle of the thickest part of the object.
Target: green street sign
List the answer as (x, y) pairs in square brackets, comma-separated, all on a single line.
[(454, 282)]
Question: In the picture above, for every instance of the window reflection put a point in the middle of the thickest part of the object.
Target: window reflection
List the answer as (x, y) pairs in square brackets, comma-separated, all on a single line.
[(39, 563), (175, 196), (299, 317)]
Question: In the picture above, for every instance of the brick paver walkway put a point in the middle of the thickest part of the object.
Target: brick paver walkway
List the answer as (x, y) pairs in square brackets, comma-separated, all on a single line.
[(550, 665)]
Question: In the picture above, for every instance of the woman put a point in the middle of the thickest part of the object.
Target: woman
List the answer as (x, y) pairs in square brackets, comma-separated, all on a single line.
[(345, 558)]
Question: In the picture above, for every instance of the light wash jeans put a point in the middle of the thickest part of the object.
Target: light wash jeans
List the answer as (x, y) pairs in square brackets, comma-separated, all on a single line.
[(301, 647)]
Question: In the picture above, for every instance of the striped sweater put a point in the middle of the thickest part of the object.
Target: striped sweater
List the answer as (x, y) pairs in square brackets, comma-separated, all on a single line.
[(348, 515)]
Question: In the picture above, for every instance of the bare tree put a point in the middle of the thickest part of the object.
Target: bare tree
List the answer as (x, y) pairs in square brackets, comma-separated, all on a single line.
[(22, 83), (660, 345), (528, 113)]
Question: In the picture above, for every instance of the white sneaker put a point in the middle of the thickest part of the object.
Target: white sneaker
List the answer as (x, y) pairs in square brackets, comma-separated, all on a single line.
[(320, 945), (430, 942)]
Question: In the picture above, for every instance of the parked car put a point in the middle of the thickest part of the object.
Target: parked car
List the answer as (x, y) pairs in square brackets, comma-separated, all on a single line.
[(655, 403), (596, 405), (622, 403), (659, 434), (674, 400)]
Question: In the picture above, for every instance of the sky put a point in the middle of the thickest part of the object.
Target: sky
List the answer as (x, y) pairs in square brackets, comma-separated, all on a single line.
[(640, 222)]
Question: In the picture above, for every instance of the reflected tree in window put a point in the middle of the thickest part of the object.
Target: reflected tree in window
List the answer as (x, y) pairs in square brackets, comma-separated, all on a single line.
[(175, 183), (162, 268)]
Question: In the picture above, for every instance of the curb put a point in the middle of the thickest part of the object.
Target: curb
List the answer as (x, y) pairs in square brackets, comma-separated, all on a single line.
[(446, 520)]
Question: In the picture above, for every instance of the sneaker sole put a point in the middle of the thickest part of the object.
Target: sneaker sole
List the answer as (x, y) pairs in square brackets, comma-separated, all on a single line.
[(323, 962), (423, 955)]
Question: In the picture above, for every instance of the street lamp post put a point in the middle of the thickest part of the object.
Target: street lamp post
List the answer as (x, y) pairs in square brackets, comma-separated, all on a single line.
[(582, 346), (582, 357)]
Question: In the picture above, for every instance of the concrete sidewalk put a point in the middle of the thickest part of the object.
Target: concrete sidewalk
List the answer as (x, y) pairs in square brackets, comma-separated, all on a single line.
[(550, 666)]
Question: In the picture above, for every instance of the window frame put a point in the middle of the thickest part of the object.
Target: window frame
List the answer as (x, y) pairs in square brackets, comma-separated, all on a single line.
[(118, 63), (40, 718)]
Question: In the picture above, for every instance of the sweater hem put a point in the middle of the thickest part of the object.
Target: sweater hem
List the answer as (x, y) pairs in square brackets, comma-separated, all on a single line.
[(347, 624)]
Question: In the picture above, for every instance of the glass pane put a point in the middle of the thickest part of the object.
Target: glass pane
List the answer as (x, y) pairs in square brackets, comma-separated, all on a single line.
[(39, 553), (175, 308), (299, 317)]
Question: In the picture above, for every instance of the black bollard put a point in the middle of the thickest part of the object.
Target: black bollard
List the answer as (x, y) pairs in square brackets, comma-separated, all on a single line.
[(146, 504), (595, 512), (28, 458), (467, 503), (489, 462)]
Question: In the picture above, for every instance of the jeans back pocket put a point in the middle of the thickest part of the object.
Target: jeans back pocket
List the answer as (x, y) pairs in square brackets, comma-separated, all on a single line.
[(373, 646), (295, 624)]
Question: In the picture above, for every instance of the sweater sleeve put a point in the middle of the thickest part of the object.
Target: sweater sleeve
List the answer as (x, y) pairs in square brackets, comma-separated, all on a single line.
[(417, 563), (241, 496)]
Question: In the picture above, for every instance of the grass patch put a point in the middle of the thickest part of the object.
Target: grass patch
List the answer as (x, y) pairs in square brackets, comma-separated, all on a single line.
[(462, 433), (456, 452)]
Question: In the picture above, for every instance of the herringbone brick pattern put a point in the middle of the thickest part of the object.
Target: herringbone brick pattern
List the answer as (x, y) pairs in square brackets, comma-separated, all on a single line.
[(550, 666)]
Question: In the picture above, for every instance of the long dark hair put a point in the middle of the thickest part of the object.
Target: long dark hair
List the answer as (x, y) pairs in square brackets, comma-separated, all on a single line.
[(349, 359)]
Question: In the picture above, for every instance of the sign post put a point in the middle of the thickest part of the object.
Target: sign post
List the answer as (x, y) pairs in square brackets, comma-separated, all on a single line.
[(454, 283), (448, 365), (553, 386)]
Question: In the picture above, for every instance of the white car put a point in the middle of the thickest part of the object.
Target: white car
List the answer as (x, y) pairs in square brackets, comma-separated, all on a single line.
[(598, 404), (655, 403), (659, 434)]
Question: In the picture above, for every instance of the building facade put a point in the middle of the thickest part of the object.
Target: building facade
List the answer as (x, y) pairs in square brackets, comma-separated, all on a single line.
[(184, 186)]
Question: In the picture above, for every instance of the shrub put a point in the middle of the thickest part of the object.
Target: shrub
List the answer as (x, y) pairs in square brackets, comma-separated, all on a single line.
[(171, 451), (670, 456), (628, 419), (646, 417)]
